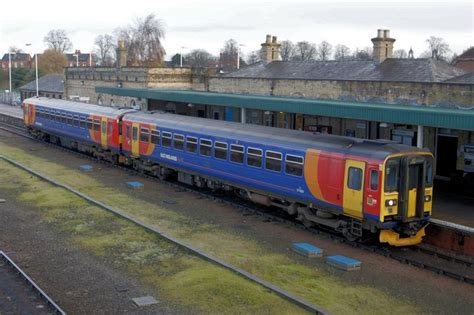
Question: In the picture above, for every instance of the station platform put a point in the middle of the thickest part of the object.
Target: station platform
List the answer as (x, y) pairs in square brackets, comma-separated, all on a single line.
[(14, 111)]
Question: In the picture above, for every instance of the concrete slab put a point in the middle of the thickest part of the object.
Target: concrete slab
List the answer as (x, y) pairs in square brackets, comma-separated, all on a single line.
[(344, 263), (86, 167), (307, 250), (135, 184), (144, 301)]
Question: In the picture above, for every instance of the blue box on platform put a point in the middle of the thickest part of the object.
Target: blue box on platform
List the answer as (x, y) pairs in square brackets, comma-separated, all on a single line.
[(344, 263), (134, 184), (86, 167), (307, 250)]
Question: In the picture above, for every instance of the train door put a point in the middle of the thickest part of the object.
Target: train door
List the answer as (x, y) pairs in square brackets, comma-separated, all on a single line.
[(354, 188), (103, 132), (135, 140)]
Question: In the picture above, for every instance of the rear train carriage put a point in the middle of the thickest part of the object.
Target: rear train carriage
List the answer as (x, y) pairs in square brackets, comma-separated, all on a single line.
[(87, 128)]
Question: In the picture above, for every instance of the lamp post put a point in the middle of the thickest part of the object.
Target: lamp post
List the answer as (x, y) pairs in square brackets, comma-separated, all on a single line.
[(10, 75), (181, 57), (36, 68), (238, 55)]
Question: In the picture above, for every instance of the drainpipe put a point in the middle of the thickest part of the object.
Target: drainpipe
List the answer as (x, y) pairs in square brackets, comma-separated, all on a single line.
[(419, 137)]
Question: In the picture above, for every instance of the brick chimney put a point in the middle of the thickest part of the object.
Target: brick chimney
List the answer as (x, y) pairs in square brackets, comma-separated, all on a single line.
[(121, 54), (270, 49), (383, 45)]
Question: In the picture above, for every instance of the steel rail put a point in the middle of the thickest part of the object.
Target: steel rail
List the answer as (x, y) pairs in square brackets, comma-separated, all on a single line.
[(279, 291), (56, 309)]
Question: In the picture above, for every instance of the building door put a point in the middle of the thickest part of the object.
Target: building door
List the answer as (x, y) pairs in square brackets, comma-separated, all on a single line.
[(446, 155), (354, 188)]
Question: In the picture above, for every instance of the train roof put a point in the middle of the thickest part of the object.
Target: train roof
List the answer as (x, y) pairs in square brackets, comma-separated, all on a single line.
[(271, 136), (76, 107)]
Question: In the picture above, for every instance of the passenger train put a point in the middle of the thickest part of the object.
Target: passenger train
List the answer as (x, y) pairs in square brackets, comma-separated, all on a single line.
[(354, 186)]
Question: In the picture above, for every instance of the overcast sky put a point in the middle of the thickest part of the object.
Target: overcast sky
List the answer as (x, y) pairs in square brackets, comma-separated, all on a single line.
[(208, 24)]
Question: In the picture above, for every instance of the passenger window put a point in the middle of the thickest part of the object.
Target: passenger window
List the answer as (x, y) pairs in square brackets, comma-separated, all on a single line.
[(76, 121), (127, 132), (354, 180), (144, 134), (374, 180), (82, 123), (273, 161), (205, 147), (191, 144), (220, 150), (111, 127), (155, 137), (237, 153), (166, 141), (96, 125), (134, 133), (63, 118), (254, 157), (178, 142), (69, 120), (294, 165), (104, 127)]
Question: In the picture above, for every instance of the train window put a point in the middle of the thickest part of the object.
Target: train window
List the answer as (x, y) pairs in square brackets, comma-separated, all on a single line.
[(374, 180), (254, 157), (166, 139), (134, 133), (237, 153), (205, 147), (76, 121), (144, 134), (104, 127), (220, 150), (96, 125), (429, 172), (191, 144), (89, 123), (273, 161), (127, 132), (69, 120), (111, 127), (82, 124), (63, 118), (392, 175), (178, 142), (354, 180), (155, 137), (294, 165)]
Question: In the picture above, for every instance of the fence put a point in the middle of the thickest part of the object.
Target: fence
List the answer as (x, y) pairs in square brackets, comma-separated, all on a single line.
[(10, 98)]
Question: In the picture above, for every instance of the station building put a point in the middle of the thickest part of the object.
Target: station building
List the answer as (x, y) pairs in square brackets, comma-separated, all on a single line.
[(422, 102)]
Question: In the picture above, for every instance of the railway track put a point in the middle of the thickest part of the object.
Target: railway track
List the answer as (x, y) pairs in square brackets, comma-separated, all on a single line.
[(7, 261), (425, 257)]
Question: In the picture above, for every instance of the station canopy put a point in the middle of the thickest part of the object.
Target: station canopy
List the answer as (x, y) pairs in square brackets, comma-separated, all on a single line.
[(440, 117)]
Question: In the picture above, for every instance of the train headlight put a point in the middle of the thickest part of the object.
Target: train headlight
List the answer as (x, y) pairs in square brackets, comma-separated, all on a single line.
[(390, 202), (427, 198)]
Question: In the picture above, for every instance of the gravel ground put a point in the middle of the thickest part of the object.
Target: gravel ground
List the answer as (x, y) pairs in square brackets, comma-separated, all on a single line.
[(78, 282), (433, 293)]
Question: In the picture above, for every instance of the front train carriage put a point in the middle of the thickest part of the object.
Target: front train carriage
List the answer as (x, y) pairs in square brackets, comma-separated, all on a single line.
[(88, 128), (350, 185)]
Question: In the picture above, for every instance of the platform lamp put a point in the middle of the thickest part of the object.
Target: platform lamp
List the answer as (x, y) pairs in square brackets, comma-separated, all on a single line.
[(238, 55), (36, 68), (181, 57)]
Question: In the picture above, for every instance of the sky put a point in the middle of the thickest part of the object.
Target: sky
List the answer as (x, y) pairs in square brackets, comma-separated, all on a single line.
[(207, 24)]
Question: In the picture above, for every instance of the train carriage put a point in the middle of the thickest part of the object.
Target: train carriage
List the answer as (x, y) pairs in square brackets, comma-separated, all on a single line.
[(353, 186)]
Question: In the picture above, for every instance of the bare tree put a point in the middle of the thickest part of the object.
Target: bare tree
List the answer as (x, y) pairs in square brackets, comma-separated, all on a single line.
[(58, 40), (144, 41), (254, 56), (400, 53), (342, 52), (198, 58), (305, 51), (324, 50), (363, 54), (105, 49), (228, 55), (287, 50), (438, 47), (15, 50)]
